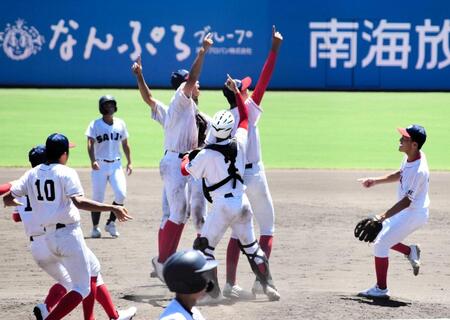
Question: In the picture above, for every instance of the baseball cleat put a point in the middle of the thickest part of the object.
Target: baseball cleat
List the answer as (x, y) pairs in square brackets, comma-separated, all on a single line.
[(375, 292), (208, 300), (112, 229), (237, 293), (414, 258), (127, 314), (257, 287), (96, 233), (158, 269), (272, 294), (40, 311)]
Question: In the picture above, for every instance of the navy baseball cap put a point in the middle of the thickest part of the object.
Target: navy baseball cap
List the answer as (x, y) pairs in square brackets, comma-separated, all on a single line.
[(56, 145), (37, 155), (416, 132), (178, 77)]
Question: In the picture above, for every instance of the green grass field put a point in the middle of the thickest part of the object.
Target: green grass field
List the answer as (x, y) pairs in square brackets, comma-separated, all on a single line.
[(298, 129)]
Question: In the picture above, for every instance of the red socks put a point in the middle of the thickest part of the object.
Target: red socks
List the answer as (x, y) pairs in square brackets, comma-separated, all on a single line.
[(170, 237), (381, 268), (56, 292), (233, 252), (88, 302), (65, 306), (104, 298), (265, 242), (402, 248)]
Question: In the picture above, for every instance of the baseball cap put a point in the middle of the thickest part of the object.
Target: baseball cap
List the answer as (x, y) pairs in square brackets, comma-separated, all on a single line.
[(416, 132), (242, 85), (178, 77), (56, 145), (37, 155)]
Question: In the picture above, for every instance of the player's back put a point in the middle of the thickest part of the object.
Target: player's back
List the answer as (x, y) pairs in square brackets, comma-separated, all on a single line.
[(49, 188)]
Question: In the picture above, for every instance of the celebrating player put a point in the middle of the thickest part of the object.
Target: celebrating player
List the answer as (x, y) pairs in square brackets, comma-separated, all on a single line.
[(408, 214), (254, 176), (224, 187), (181, 134), (104, 137), (55, 194)]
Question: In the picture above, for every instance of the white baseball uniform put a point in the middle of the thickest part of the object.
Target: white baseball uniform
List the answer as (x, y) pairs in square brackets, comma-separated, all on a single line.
[(182, 196), (230, 206), (108, 140), (42, 255), (175, 311), (414, 183), (50, 188), (254, 176)]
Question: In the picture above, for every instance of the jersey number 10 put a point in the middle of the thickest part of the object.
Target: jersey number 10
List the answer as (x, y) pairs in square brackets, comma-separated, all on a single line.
[(49, 190)]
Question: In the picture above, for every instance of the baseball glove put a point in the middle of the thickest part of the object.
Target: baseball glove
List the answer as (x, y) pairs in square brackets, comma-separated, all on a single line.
[(367, 229)]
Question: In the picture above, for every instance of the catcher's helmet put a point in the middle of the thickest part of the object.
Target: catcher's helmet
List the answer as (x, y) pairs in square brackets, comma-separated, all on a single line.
[(36, 156), (178, 77), (105, 99), (242, 85), (222, 124), (187, 272)]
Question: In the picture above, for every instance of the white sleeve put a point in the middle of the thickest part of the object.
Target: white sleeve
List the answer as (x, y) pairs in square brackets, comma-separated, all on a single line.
[(416, 186), (125, 134), (242, 136), (90, 130), (19, 187), (179, 100), (72, 184), (160, 114), (254, 112), (196, 167)]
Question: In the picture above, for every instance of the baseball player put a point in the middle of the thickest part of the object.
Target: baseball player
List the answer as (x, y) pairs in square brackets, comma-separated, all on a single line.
[(187, 274), (104, 137), (48, 262), (181, 134), (55, 194), (224, 187), (408, 214), (254, 176)]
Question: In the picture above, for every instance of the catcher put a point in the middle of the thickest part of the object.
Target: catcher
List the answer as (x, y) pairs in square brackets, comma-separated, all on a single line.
[(403, 218)]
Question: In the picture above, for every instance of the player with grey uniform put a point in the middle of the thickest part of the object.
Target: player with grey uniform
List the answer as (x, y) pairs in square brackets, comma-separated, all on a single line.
[(104, 138), (181, 134)]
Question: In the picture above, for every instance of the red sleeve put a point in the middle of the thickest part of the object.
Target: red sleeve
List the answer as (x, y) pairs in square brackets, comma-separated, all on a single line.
[(184, 162), (243, 111), (264, 78), (4, 188), (16, 217)]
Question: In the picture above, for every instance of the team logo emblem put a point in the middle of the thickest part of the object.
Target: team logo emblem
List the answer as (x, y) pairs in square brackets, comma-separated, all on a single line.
[(20, 41)]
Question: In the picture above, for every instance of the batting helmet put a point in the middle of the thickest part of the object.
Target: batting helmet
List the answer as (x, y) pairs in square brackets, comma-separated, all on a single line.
[(178, 77), (36, 156), (105, 99), (222, 124), (187, 272), (242, 85)]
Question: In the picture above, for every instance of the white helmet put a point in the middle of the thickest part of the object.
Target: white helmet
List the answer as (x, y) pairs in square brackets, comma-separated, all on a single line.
[(222, 124)]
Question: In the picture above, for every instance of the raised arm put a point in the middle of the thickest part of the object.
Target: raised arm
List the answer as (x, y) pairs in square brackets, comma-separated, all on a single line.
[(242, 108), (267, 70), (196, 68), (146, 94)]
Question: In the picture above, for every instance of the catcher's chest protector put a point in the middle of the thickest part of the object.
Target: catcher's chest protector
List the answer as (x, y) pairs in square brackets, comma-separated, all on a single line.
[(229, 152)]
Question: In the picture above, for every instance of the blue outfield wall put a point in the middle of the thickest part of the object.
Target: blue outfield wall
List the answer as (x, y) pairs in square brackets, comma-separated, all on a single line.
[(329, 44)]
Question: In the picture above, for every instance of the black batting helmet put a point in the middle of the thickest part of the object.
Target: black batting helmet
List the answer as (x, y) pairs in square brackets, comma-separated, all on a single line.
[(187, 272), (178, 77), (105, 99), (37, 155)]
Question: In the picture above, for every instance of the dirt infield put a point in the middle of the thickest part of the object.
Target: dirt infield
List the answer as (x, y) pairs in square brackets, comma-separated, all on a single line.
[(316, 263)]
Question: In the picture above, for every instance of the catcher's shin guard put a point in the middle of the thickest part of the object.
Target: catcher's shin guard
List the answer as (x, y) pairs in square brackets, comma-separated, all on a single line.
[(262, 273), (202, 244)]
